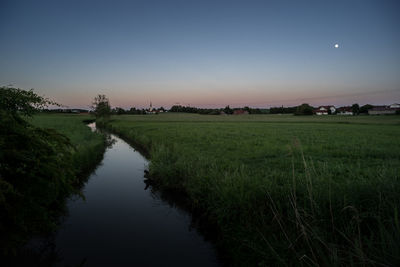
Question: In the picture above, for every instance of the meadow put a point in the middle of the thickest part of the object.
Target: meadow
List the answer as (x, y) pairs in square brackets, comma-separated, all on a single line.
[(282, 189)]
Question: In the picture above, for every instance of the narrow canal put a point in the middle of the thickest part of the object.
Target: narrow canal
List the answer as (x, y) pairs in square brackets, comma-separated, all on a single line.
[(121, 224)]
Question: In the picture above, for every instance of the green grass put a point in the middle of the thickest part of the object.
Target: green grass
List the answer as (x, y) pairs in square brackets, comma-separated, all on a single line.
[(283, 189), (89, 146)]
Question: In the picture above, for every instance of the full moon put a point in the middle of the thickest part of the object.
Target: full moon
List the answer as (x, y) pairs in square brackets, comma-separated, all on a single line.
[(336, 45)]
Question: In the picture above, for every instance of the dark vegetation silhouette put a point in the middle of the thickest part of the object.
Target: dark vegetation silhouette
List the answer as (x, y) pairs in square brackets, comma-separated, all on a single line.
[(101, 107), (39, 168), (364, 109), (304, 109), (35, 170), (356, 109), (282, 110), (214, 111)]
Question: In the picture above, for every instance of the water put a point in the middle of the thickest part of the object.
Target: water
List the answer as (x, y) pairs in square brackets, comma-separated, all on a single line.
[(122, 224)]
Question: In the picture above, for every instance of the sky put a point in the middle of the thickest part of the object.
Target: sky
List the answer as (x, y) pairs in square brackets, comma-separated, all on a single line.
[(203, 53)]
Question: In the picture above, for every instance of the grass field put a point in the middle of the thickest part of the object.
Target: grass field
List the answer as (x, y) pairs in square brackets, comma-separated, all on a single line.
[(283, 189)]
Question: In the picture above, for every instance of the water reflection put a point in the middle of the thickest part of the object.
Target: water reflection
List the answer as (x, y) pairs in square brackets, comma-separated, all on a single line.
[(121, 224)]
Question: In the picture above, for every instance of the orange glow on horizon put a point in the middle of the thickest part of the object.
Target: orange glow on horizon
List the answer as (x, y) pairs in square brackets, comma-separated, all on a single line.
[(221, 98)]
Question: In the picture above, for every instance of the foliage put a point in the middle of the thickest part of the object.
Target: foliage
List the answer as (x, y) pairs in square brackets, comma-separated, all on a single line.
[(35, 168), (179, 108), (227, 110), (38, 169), (304, 109), (16, 101), (213, 111), (282, 110), (282, 189), (101, 106), (88, 146), (135, 111), (356, 109), (365, 108), (118, 111), (37, 165)]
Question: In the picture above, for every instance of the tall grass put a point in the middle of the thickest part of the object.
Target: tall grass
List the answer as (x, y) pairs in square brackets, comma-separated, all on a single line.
[(89, 147), (284, 192)]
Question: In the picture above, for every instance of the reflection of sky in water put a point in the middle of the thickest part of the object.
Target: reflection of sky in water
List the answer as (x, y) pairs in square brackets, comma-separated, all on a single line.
[(121, 224)]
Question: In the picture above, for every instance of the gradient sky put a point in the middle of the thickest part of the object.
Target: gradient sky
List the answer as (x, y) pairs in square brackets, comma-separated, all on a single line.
[(203, 53)]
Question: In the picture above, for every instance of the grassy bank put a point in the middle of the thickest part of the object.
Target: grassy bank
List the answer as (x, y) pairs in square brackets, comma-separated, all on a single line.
[(282, 189), (43, 160), (89, 147)]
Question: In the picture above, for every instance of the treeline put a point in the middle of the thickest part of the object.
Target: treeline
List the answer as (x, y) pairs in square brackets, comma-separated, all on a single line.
[(306, 109), (216, 111), (65, 110), (282, 110), (299, 110), (303, 109), (135, 111)]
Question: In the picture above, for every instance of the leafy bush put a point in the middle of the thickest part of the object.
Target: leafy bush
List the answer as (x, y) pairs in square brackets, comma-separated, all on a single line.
[(304, 109), (38, 170)]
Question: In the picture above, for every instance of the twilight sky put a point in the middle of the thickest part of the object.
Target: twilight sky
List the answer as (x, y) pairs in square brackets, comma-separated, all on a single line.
[(203, 53)]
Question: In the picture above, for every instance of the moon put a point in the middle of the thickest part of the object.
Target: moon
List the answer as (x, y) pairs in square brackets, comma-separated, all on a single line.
[(336, 45)]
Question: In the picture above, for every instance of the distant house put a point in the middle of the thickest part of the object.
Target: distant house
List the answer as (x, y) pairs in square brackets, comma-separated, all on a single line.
[(382, 110), (324, 110), (73, 110), (240, 112), (344, 111), (321, 111), (395, 106)]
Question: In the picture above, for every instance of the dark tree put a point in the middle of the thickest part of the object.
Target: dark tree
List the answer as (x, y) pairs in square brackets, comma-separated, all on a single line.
[(119, 111), (101, 106), (365, 108), (356, 109), (36, 170), (304, 109), (15, 101), (179, 108), (228, 110), (282, 110)]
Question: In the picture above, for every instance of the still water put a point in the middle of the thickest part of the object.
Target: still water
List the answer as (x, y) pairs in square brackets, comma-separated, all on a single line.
[(121, 224)]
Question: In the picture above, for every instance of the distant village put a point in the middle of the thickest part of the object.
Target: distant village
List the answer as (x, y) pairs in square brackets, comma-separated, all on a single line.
[(355, 110), (303, 109)]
